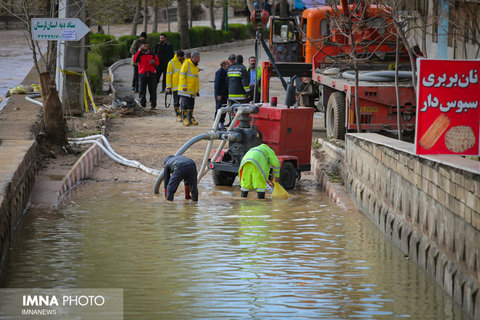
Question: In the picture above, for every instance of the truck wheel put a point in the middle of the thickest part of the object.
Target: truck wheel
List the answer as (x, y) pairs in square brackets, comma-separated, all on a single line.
[(335, 118), (288, 175), (221, 178)]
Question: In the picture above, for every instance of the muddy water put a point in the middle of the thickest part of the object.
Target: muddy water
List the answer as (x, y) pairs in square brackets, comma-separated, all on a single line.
[(15, 60), (224, 257)]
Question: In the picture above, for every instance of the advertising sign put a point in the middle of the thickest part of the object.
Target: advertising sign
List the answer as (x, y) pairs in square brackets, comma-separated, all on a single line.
[(448, 115)]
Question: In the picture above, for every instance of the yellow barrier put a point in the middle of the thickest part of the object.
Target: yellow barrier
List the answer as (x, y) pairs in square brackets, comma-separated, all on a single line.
[(86, 88)]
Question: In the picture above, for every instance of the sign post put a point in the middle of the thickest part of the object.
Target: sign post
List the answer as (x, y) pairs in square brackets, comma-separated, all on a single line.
[(448, 111)]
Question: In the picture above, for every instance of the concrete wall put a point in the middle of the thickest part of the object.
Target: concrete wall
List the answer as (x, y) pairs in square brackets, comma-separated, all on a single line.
[(429, 207), (20, 124)]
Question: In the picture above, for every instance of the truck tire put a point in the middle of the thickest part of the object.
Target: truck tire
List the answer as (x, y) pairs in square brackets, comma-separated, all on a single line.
[(221, 178), (335, 117), (288, 175)]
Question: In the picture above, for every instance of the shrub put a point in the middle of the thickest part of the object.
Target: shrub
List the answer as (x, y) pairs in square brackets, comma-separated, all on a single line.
[(95, 71), (125, 42), (240, 31), (174, 39), (106, 46), (196, 37)]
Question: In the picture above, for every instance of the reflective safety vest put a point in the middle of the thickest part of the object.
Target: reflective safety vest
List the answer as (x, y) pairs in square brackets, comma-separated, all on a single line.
[(188, 79), (263, 157), (238, 82), (259, 76), (173, 73)]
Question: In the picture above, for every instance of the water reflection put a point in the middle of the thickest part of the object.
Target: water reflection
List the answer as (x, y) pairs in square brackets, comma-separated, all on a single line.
[(224, 257)]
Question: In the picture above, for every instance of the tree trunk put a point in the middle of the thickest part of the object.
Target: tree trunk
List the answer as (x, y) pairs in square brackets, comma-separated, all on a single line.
[(55, 125), (211, 13), (224, 13), (168, 19), (145, 16), (182, 23), (155, 18), (136, 17), (190, 13)]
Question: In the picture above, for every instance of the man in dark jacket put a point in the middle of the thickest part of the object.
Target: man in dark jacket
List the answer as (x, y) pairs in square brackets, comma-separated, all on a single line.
[(133, 49), (238, 82), (221, 91), (178, 168), (164, 52), (146, 61)]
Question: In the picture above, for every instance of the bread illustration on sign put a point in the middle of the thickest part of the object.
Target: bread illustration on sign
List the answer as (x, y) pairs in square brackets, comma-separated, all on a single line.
[(434, 132), (459, 139)]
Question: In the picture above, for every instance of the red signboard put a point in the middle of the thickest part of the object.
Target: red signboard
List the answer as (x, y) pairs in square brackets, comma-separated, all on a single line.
[(448, 111)]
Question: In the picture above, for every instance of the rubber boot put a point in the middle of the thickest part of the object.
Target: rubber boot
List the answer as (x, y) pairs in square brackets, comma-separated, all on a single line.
[(185, 118), (192, 119), (177, 114), (244, 194), (261, 195)]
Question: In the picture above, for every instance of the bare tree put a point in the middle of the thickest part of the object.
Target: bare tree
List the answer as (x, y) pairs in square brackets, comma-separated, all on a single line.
[(182, 23), (145, 15), (211, 13), (136, 17), (155, 17), (55, 124)]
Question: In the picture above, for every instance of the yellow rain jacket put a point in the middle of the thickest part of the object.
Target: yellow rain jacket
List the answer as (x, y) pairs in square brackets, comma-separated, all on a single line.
[(255, 167), (173, 73), (188, 79)]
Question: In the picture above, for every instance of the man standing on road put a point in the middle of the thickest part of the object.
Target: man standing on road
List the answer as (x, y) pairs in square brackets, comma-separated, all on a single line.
[(189, 85), (180, 168), (238, 82), (221, 91), (164, 52), (173, 74), (133, 50), (255, 168), (254, 73), (146, 61)]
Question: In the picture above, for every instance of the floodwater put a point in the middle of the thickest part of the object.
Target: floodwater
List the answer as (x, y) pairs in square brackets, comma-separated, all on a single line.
[(223, 258), (15, 60)]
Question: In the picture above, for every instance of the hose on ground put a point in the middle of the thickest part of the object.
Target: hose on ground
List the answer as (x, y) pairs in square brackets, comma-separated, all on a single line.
[(107, 148)]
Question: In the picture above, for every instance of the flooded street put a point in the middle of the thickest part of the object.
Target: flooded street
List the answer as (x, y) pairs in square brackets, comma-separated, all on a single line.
[(302, 258), (15, 60)]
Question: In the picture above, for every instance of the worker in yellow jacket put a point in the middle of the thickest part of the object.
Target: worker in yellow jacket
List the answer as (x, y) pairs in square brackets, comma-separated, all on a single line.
[(189, 85), (172, 79), (255, 168)]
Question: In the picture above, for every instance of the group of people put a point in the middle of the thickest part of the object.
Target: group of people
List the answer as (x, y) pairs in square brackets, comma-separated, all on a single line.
[(235, 83), (180, 76)]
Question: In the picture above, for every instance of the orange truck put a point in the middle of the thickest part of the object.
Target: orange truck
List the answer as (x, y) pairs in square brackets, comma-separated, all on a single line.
[(318, 50)]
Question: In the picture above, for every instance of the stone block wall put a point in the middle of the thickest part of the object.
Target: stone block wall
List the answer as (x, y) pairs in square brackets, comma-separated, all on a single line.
[(429, 207)]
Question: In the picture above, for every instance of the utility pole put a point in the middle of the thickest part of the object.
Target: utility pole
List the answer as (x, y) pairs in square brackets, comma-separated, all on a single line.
[(71, 57)]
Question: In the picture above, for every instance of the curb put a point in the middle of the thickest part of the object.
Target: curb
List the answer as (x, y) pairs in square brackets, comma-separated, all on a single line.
[(335, 191), (81, 169)]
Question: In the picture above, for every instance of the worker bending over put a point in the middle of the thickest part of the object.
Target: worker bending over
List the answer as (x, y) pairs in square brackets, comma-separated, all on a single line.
[(254, 170), (180, 168)]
